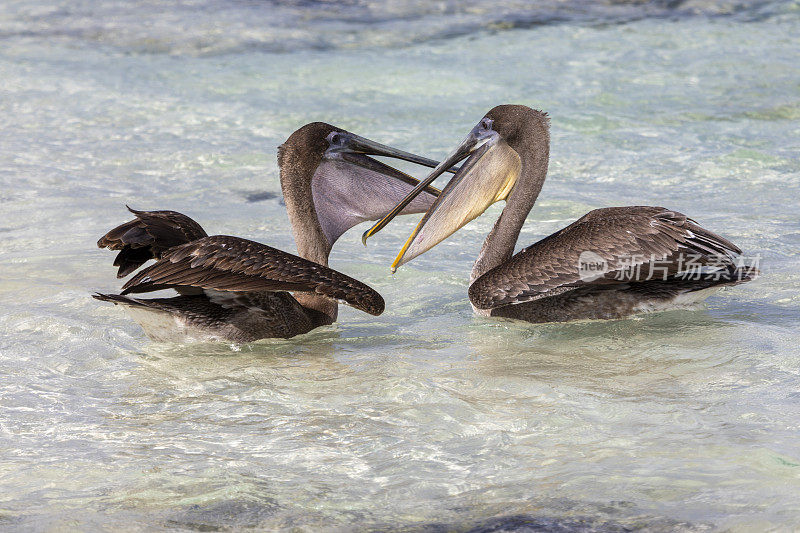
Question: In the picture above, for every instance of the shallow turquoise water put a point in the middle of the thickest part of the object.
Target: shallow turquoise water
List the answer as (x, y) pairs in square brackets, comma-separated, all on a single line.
[(425, 417)]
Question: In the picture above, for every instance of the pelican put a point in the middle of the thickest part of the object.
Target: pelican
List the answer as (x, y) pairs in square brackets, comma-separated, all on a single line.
[(611, 263), (238, 290)]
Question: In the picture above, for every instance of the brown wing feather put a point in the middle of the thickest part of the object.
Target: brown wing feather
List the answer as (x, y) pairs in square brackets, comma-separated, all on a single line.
[(148, 236), (227, 263), (621, 236)]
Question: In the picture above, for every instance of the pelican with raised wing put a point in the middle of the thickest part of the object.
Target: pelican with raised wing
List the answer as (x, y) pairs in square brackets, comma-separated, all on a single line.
[(611, 263), (239, 290)]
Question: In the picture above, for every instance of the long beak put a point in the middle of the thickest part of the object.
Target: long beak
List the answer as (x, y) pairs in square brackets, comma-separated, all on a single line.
[(341, 142), (489, 174), (356, 150)]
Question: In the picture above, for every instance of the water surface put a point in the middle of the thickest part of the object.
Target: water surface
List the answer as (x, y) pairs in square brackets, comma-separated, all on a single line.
[(425, 418)]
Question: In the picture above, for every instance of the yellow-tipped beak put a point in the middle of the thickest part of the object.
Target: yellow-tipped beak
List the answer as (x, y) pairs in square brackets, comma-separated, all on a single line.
[(488, 176)]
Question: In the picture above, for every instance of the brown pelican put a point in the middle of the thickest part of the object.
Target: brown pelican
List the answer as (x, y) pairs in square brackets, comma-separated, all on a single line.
[(611, 263), (239, 290)]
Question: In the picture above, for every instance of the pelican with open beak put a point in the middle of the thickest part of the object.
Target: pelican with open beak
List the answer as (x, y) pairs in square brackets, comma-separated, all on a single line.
[(238, 290), (507, 155)]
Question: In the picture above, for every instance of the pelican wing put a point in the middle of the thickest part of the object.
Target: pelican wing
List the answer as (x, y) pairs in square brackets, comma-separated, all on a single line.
[(647, 241), (224, 263), (147, 236)]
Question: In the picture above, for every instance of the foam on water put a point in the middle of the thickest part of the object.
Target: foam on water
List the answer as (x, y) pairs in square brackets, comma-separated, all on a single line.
[(426, 417)]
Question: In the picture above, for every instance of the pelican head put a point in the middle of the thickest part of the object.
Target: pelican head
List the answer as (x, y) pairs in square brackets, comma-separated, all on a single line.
[(318, 142), (493, 165), (330, 183)]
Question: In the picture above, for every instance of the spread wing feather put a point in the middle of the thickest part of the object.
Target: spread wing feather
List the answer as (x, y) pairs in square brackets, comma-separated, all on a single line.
[(225, 263), (148, 236), (652, 240)]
